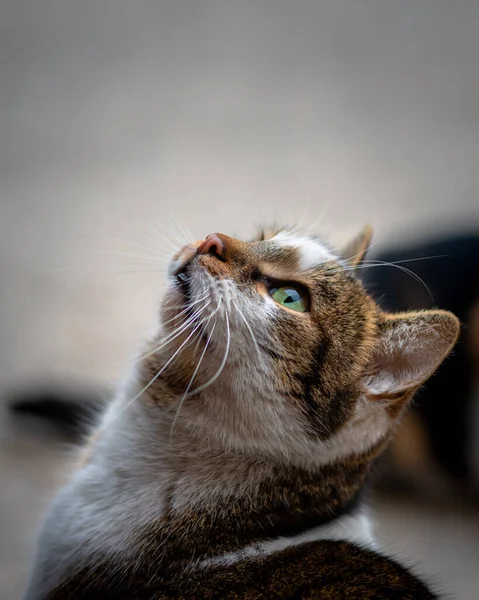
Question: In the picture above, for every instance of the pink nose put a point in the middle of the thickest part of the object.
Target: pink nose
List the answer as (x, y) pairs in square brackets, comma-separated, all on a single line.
[(212, 245)]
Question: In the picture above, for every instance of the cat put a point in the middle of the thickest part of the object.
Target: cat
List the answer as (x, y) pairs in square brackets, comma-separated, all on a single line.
[(438, 436), (231, 463)]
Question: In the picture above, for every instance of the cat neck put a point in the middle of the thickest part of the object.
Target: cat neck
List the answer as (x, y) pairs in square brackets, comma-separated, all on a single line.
[(199, 492), (232, 499), (280, 502)]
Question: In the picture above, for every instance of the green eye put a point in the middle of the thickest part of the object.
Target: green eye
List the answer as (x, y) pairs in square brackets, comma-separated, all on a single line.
[(291, 297)]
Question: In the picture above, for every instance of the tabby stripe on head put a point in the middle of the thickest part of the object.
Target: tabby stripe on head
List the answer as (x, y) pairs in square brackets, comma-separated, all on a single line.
[(311, 382)]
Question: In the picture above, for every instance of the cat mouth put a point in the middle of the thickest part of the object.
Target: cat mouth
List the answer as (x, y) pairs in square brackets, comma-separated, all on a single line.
[(183, 283), (183, 280)]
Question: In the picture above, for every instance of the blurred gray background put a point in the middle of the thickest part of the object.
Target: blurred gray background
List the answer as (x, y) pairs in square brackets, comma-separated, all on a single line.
[(119, 120)]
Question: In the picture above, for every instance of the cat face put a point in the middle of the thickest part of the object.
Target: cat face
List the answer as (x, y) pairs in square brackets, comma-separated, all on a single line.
[(274, 346)]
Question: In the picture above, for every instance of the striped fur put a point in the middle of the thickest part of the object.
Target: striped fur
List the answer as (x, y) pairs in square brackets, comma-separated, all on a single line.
[(232, 462)]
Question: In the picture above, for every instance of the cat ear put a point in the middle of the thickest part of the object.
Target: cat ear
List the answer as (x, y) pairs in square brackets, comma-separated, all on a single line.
[(410, 348), (355, 251)]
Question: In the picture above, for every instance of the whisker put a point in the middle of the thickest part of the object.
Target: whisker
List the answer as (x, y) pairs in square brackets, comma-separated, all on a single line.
[(415, 276), (175, 235), (186, 309), (180, 229), (130, 255), (183, 230), (205, 324), (178, 331), (351, 258), (258, 351), (156, 376), (407, 260), (188, 232), (191, 381), (299, 224), (153, 251), (173, 244), (107, 272), (223, 362), (160, 244)]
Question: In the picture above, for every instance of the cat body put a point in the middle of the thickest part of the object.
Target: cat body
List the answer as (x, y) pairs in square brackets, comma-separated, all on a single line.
[(231, 463)]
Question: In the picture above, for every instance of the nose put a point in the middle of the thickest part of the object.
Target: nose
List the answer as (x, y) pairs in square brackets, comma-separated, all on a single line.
[(212, 245)]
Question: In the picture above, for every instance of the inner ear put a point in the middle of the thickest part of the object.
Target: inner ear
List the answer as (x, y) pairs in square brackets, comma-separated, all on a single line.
[(355, 252), (410, 347)]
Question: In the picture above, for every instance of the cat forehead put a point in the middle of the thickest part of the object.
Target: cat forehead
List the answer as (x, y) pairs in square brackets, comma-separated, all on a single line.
[(312, 251)]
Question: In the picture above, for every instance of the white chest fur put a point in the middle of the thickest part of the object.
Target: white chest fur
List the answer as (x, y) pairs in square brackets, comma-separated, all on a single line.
[(351, 528)]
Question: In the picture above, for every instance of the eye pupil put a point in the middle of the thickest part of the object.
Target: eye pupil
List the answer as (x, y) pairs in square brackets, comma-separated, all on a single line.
[(293, 297)]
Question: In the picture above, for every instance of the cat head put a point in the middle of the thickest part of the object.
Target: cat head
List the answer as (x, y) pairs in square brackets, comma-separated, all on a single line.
[(273, 346)]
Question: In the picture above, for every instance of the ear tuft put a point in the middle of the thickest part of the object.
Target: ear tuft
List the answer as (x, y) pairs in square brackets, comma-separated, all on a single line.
[(411, 346), (355, 251)]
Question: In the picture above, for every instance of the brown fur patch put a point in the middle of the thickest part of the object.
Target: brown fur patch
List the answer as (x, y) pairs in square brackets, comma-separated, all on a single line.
[(326, 570)]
